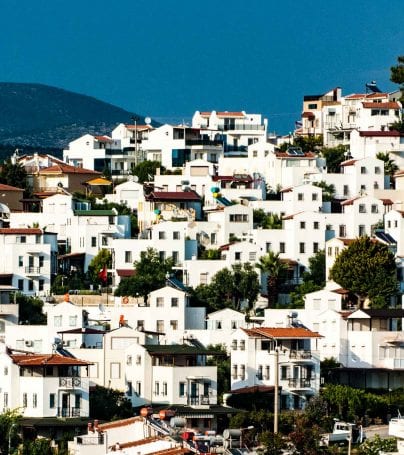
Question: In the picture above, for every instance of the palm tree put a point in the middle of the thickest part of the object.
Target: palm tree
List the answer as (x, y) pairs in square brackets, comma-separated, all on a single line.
[(390, 166), (275, 269)]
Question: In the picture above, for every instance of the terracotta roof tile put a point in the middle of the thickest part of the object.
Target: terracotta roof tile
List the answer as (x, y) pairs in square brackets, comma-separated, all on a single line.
[(230, 114), (387, 105), (20, 231), (120, 423), (67, 169), (282, 332), (4, 187), (173, 196), (392, 133), (348, 163), (46, 359), (308, 115)]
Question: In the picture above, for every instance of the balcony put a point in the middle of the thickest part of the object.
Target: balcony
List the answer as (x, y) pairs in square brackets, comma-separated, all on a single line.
[(70, 382), (198, 400), (300, 355), (90, 440), (69, 412), (31, 270), (204, 142), (241, 127), (300, 383)]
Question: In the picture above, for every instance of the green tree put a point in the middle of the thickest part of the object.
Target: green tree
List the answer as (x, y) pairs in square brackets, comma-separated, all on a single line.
[(297, 296), (328, 192), (235, 288), (376, 445), (275, 270), (14, 174), (30, 310), (146, 170), (306, 436), (109, 404), (334, 156), (367, 268), (266, 220), (9, 424), (211, 254), (150, 274), (316, 272), (101, 260), (397, 76), (40, 446), (273, 443), (222, 363), (390, 166)]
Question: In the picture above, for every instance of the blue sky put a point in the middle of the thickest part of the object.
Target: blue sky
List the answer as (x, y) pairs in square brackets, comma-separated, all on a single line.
[(168, 58)]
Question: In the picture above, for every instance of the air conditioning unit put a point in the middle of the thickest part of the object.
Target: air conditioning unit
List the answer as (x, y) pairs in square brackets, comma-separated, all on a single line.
[(28, 343)]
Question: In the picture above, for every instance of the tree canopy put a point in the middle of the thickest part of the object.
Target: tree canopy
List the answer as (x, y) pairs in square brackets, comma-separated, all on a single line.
[(266, 220), (150, 274), (109, 404), (145, 170), (103, 258), (235, 288), (14, 174), (275, 271), (367, 268), (397, 76), (390, 166), (328, 192), (30, 310), (334, 156)]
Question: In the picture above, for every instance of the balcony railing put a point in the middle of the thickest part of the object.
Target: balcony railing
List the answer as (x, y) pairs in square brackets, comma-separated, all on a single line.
[(90, 440), (300, 354), (299, 383), (31, 270), (241, 127), (198, 399), (70, 382), (69, 412), (205, 142)]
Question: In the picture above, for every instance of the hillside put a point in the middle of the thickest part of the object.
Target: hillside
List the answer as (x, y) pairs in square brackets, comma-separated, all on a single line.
[(43, 116)]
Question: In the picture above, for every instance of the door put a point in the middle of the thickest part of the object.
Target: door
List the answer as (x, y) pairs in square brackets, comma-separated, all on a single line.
[(65, 404)]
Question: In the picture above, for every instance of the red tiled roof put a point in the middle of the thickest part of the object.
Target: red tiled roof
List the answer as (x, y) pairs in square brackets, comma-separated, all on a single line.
[(125, 272), (231, 178), (173, 196), (290, 217), (33, 360), (119, 423), (67, 169), (20, 231), (348, 163), (230, 114), (308, 115), (139, 442), (392, 133), (355, 96), (283, 332), (139, 127), (350, 201), (103, 138), (387, 105), (387, 201), (294, 157), (377, 95), (4, 187)]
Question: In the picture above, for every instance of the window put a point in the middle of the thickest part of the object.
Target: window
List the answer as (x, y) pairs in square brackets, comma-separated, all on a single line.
[(363, 187), (162, 235), (22, 239), (174, 325), (5, 400), (24, 400), (20, 261), (20, 285), (93, 241), (175, 257), (377, 170), (159, 325), (361, 230), (182, 389), (174, 301), (34, 400), (242, 372), (234, 372), (160, 301), (363, 170), (315, 247), (374, 208), (302, 225), (259, 372), (314, 196), (301, 247), (165, 389), (329, 251), (312, 106), (129, 389), (156, 388), (140, 325), (346, 190), (252, 256), (138, 359), (30, 285), (57, 321), (255, 154), (128, 257), (237, 256), (213, 238), (266, 374), (203, 278), (316, 225), (282, 247), (73, 321), (268, 247), (5, 371), (162, 255), (176, 235), (41, 283), (284, 372), (362, 208), (234, 345), (115, 370), (104, 240), (242, 345), (342, 230), (300, 196), (138, 388)]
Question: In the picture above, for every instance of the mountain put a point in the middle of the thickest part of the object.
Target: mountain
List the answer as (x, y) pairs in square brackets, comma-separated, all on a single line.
[(43, 116)]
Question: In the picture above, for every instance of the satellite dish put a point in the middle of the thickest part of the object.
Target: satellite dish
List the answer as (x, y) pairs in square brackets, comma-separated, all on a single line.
[(135, 178), (147, 120), (60, 185)]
